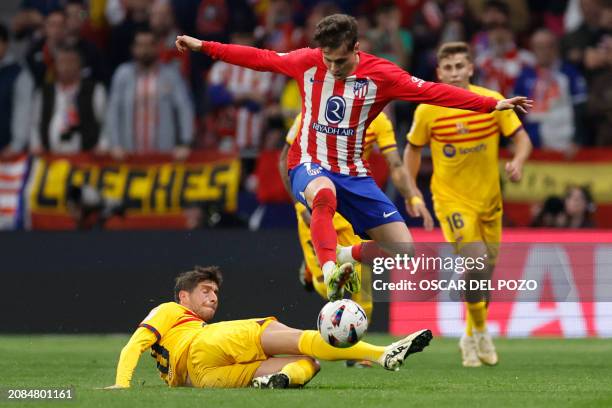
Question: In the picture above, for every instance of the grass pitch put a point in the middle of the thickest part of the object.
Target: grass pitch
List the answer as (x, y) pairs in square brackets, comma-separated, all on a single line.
[(532, 373)]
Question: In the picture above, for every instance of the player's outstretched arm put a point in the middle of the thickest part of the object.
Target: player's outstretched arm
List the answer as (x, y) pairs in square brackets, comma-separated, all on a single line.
[(415, 205), (141, 340), (518, 103), (522, 150), (184, 43), (245, 56)]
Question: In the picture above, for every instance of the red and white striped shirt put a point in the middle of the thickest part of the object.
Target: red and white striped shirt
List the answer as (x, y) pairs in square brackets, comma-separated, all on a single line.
[(146, 112), (240, 81), (336, 113)]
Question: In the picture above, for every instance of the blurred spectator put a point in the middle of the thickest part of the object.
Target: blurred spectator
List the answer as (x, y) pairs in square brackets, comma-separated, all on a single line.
[(67, 114), (578, 208), (573, 16), (115, 11), (240, 95), (40, 56), (16, 88), (599, 107), (501, 63), (89, 209), (122, 35), (150, 109), (213, 20), (559, 94), (185, 12), (517, 12), (580, 46), (31, 15), (550, 214), (279, 32), (162, 23), (388, 39), (94, 65), (408, 9), (494, 14), (436, 22), (548, 14), (575, 210)]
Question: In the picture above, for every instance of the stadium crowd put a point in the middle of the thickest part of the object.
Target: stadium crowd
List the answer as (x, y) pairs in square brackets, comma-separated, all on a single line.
[(104, 76)]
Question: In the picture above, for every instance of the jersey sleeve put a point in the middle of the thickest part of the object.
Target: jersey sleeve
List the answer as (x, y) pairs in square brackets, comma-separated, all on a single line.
[(385, 135), (507, 120), (260, 60), (161, 319), (419, 134), (141, 340), (404, 86), (294, 129)]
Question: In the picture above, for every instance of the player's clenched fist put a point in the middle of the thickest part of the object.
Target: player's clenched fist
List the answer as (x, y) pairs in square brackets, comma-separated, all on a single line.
[(185, 42)]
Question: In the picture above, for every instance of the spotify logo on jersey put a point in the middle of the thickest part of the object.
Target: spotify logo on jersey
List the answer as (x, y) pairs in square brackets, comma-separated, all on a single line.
[(449, 150)]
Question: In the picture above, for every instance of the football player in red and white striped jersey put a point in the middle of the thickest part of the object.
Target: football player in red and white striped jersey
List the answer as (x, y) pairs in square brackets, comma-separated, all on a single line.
[(343, 90)]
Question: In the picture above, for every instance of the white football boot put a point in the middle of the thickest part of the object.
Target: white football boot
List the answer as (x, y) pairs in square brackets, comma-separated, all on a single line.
[(469, 352), (485, 348), (276, 380), (395, 353)]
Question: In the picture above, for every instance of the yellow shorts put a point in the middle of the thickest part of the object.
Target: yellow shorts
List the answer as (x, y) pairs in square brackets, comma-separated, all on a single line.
[(346, 237), (227, 354), (462, 224)]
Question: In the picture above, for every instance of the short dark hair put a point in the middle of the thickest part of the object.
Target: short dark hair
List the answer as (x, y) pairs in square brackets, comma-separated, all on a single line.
[(144, 30), (4, 33), (498, 5), (455, 47), (190, 279), (336, 30), (69, 49)]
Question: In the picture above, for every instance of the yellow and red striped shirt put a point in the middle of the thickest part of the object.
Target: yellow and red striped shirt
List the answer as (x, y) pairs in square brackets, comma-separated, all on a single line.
[(464, 150), (168, 330)]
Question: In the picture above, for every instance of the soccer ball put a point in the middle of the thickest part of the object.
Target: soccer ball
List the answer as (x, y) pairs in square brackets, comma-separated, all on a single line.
[(342, 323)]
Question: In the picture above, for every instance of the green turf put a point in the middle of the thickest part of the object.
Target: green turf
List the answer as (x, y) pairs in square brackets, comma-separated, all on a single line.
[(532, 373)]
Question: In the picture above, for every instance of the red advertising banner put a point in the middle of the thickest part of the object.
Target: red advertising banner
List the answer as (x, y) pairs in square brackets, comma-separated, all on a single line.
[(574, 298)]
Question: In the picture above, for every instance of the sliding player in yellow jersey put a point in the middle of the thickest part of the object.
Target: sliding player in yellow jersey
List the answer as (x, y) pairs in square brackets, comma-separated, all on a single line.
[(465, 182), (381, 133), (190, 352)]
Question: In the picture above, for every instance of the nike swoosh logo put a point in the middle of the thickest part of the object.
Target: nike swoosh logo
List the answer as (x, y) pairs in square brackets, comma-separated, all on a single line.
[(312, 80), (387, 215)]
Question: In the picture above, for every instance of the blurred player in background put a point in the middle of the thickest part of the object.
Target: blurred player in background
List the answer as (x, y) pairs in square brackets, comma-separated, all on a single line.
[(379, 133), (465, 183), (189, 352), (343, 90)]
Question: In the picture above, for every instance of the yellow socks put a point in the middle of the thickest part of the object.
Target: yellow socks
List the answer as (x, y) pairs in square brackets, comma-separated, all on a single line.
[(468, 322), (312, 344), (299, 372), (477, 316)]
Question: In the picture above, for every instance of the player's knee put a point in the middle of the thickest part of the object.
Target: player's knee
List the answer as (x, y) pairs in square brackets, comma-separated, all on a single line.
[(325, 198), (315, 187), (314, 363), (404, 248)]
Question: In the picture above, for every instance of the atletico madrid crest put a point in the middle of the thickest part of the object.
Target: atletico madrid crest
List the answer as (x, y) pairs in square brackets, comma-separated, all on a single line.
[(360, 88)]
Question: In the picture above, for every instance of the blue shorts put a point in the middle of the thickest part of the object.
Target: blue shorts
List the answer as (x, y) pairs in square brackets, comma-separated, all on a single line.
[(359, 199)]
